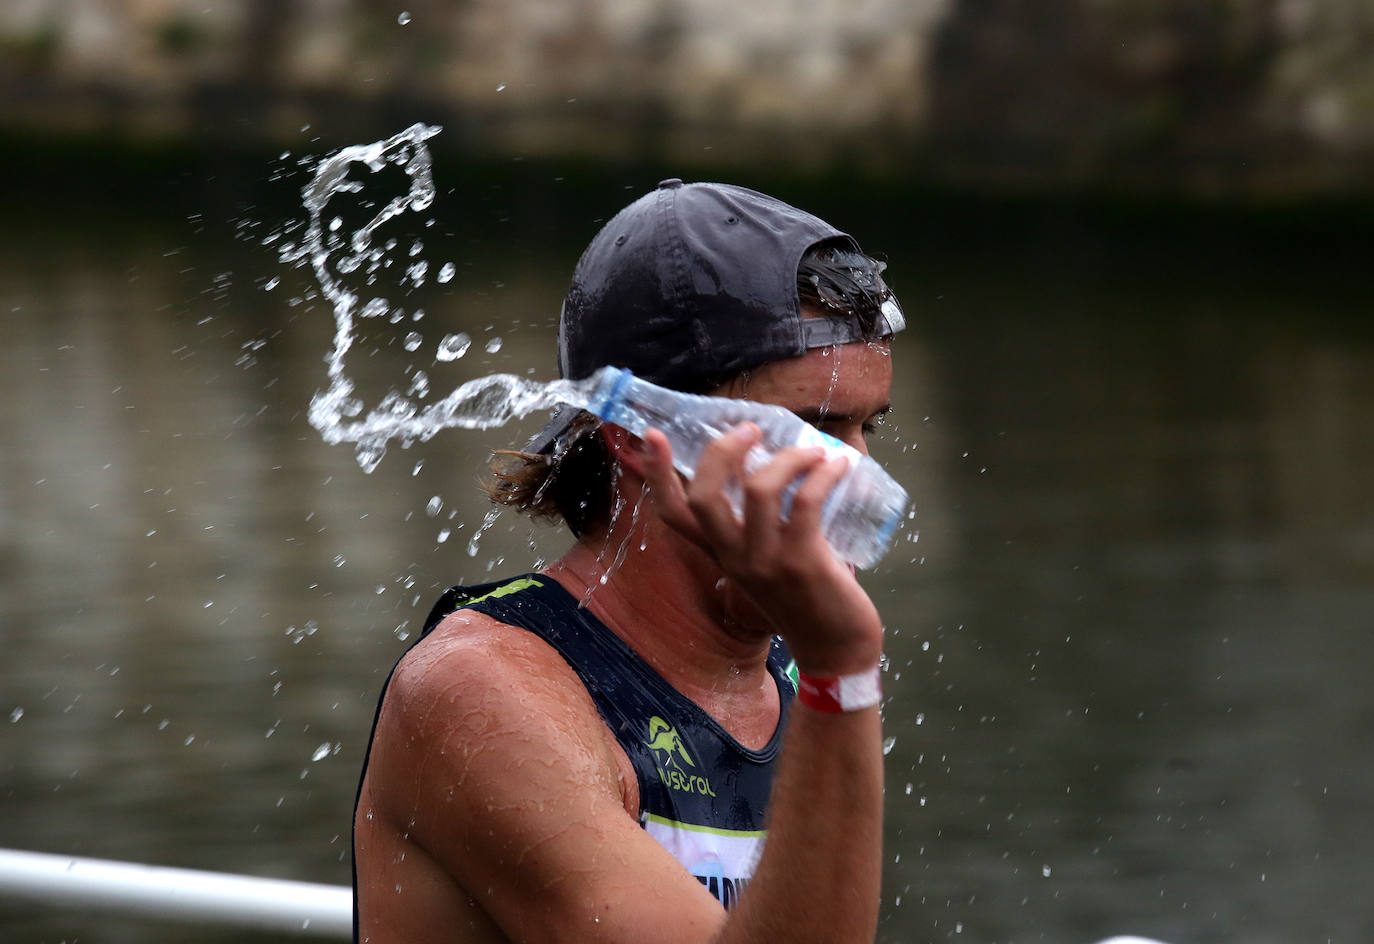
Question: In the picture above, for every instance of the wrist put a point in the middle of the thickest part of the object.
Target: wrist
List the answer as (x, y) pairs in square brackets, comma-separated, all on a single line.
[(840, 694), (845, 658)]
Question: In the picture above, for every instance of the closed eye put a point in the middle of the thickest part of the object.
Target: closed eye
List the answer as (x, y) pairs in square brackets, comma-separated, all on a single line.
[(878, 420), (836, 424)]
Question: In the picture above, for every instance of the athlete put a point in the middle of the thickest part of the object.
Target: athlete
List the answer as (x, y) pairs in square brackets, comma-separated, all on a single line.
[(613, 749)]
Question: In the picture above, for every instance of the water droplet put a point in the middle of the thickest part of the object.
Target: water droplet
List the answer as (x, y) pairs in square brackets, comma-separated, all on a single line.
[(487, 522), (442, 536), (419, 385), (321, 752), (16, 714), (1045, 871), (453, 346), (888, 745), (446, 273), (369, 457), (404, 20), (493, 345), (436, 504), (413, 341)]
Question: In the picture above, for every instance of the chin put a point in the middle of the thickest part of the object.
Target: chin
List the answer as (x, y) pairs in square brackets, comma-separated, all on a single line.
[(740, 613)]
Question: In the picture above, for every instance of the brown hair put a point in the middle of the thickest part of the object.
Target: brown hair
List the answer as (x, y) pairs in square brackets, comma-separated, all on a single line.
[(572, 482)]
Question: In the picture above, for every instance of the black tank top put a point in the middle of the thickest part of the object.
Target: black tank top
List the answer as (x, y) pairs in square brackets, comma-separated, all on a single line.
[(702, 795)]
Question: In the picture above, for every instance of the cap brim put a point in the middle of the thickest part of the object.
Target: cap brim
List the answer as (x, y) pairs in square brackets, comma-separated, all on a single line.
[(560, 421)]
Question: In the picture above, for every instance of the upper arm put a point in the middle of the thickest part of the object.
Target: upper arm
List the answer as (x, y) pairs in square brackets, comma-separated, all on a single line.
[(492, 763)]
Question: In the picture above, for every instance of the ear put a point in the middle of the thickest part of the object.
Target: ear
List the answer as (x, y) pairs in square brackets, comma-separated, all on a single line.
[(625, 447)]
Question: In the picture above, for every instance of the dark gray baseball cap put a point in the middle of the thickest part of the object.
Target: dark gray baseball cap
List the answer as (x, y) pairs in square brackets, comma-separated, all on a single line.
[(697, 281)]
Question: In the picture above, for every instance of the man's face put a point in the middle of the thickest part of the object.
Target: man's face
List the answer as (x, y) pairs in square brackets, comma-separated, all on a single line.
[(842, 390)]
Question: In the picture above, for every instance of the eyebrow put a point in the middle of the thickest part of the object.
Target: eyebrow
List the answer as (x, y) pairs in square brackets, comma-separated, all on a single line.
[(817, 415)]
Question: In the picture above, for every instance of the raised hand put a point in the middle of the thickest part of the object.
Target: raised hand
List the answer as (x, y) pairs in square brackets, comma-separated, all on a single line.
[(783, 565)]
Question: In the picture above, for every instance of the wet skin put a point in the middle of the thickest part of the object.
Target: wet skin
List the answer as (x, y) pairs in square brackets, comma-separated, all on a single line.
[(498, 806)]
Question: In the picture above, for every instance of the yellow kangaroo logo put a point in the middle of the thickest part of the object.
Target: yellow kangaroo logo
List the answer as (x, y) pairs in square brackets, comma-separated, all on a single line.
[(664, 737)]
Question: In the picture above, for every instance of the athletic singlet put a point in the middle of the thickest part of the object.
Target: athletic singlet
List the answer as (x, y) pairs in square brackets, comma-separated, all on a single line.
[(702, 795)]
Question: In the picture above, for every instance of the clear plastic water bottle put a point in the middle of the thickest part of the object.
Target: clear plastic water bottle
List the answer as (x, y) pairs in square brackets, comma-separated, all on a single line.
[(860, 514)]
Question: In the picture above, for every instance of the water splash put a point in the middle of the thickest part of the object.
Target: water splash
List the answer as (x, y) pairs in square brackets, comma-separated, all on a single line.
[(609, 563), (336, 412), (490, 519)]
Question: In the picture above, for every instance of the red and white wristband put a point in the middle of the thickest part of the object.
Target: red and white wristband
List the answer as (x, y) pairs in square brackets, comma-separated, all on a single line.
[(840, 693)]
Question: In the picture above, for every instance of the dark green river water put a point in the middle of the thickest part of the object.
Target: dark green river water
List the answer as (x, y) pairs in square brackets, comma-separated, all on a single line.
[(1130, 624)]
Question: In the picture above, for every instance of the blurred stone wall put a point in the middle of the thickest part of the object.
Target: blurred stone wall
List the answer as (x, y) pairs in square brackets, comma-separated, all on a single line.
[(1159, 94)]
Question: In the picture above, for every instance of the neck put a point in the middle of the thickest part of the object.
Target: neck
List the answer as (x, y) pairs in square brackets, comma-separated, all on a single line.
[(668, 601)]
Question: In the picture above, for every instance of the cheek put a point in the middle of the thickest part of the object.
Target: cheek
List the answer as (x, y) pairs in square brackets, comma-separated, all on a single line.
[(851, 435)]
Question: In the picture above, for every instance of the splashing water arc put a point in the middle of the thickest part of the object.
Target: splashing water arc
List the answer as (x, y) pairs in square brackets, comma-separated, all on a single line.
[(482, 403)]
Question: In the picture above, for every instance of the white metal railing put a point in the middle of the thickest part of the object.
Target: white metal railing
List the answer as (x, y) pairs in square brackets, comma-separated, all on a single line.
[(242, 900), (264, 903)]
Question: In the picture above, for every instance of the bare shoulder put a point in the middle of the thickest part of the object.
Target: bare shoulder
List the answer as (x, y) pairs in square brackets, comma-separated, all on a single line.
[(477, 684), (470, 654), (494, 783), (487, 747)]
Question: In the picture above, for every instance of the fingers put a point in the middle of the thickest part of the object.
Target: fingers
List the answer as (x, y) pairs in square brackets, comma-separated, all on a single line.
[(764, 493), (721, 463), (699, 509), (666, 486), (809, 501), (702, 511)]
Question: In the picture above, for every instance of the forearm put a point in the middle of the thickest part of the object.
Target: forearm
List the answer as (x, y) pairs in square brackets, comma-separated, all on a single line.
[(819, 877)]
